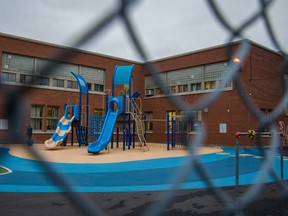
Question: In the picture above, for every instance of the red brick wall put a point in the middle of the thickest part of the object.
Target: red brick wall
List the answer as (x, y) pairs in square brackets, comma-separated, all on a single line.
[(51, 97), (260, 76)]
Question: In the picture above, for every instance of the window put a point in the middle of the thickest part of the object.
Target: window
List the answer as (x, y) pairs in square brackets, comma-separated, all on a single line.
[(149, 123), (159, 91), (72, 84), (99, 112), (266, 112), (30, 70), (17, 63), (93, 75), (171, 115), (3, 124), (26, 79), (193, 79), (58, 83), (99, 88), (8, 77), (37, 117), (42, 81), (52, 117), (196, 121), (210, 85), (89, 86), (196, 87), (172, 89), (182, 88), (225, 83)]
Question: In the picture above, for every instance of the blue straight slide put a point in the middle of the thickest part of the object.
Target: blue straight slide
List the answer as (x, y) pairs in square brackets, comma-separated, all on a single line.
[(106, 133)]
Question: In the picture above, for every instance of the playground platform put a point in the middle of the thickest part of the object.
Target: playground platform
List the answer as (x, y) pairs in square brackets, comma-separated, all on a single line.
[(75, 154)]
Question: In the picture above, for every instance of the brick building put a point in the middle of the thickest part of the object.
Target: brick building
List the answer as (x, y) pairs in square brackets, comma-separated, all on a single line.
[(190, 76)]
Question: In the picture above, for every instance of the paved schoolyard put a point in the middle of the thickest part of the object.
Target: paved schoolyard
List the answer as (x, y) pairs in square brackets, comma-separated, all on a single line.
[(130, 187)]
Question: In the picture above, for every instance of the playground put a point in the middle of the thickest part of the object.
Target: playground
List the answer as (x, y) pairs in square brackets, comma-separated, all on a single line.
[(129, 171), (104, 161), (136, 166), (96, 132)]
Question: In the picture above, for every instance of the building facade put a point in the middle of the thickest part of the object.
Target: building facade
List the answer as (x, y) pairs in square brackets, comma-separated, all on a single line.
[(42, 73)]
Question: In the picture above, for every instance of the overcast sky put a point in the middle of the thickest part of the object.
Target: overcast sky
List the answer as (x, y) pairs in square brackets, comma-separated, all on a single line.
[(165, 27)]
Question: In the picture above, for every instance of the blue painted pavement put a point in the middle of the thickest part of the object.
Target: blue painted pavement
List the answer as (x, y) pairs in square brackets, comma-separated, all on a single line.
[(145, 175)]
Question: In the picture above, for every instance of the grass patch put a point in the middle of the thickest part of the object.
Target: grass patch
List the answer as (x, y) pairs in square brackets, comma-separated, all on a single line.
[(4, 170)]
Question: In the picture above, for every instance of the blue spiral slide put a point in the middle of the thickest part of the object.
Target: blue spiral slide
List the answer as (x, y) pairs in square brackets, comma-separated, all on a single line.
[(64, 126)]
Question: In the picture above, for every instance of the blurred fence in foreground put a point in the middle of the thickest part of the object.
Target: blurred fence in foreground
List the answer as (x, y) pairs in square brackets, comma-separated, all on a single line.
[(231, 206)]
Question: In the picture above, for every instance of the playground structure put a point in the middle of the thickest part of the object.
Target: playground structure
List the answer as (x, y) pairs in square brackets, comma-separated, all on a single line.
[(124, 104), (67, 122)]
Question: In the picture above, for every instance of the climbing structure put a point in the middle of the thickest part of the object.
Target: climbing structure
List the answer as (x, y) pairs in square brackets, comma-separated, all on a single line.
[(123, 76), (137, 115), (124, 105)]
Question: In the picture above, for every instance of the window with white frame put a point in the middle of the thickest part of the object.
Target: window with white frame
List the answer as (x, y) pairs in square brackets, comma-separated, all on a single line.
[(210, 85), (196, 87), (182, 88), (58, 83), (72, 84), (36, 118)]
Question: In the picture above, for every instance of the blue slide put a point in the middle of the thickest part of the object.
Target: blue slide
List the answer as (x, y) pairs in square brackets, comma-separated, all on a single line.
[(106, 133)]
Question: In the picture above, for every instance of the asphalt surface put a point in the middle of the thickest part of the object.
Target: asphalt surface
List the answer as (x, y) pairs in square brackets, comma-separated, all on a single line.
[(184, 202)]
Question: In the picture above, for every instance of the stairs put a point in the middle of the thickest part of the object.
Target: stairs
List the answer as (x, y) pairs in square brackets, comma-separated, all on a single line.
[(136, 114)]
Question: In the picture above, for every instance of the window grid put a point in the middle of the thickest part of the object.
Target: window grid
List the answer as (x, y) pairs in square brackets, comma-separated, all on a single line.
[(26, 79), (29, 70), (214, 71), (149, 123), (36, 119), (196, 121), (60, 69), (72, 84), (58, 83), (93, 75), (150, 83), (8, 77), (52, 117), (199, 78), (184, 76), (17, 63), (98, 87)]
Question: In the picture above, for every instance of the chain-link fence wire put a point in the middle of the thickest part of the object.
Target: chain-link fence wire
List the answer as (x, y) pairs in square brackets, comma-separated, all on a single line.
[(231, 206)]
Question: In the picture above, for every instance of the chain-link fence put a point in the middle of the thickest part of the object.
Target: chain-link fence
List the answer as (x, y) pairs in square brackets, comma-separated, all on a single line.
[(231, 206)]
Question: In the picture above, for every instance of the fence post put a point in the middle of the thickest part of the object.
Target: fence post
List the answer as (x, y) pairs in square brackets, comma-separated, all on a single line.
[(237, 165)]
